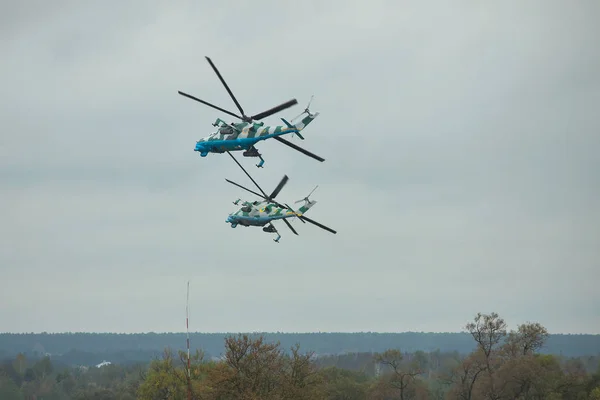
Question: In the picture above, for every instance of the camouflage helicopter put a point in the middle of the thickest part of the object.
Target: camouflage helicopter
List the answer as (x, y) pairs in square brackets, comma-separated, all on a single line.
[(263, 213), (244, 135)]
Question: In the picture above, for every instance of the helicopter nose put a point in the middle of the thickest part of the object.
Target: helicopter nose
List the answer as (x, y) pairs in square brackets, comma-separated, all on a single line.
[(199, 147)]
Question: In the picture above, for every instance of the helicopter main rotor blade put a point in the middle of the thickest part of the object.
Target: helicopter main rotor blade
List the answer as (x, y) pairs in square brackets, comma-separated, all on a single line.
[(208, 104), (225, 84), (290, 226), (290, 208), (274, 110), (246, 172), (279, 187), (300, 149), (318, 224), (240, 186)]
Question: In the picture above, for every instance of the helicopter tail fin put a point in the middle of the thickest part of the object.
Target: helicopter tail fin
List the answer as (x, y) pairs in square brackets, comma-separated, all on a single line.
[(305, 207), (307, 202), (305, 121), (302, 123)]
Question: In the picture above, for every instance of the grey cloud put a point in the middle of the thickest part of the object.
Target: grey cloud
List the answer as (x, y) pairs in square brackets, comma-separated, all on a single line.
[(459, 145)]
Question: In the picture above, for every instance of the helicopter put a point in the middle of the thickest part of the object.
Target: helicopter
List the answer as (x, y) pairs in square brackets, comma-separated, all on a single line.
[(264, 212), (244, 135)]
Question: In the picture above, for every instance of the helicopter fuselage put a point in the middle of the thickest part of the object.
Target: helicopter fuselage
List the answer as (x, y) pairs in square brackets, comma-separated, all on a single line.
[(235, 220), (235, 137), (244, 135), (264, 212), (258, 214)]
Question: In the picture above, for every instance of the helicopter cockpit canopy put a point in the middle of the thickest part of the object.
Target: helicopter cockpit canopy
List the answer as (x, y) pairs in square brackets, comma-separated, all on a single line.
[(246, 209), (226, 130)]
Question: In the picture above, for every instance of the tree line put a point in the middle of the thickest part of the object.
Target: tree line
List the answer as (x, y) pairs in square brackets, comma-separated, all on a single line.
[(90, 348), (502, 365)]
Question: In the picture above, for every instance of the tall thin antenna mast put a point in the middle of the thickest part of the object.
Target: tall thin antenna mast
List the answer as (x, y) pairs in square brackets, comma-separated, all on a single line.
[(187, 328)]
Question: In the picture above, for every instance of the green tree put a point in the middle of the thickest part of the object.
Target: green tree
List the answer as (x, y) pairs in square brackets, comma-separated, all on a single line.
[(43, 368), (9, 390), (164, 380), (573, 382), (20, 364), (341, 384)]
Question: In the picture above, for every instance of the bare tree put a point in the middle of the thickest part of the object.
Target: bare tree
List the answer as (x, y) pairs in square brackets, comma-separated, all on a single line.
[(466, 375), (256, 366), (488, 330), (300, 377), (528, 339), (403, 374)]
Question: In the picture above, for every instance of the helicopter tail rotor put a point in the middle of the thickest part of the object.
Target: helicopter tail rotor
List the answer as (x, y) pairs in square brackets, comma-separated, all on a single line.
[(307, 204), (298, 126), (306, 110), (306, 198)]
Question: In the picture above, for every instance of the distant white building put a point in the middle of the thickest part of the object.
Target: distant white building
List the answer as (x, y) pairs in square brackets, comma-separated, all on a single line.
[(103, 364)]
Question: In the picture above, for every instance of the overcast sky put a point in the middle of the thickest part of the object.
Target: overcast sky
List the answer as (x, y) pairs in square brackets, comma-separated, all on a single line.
[(462, 170)]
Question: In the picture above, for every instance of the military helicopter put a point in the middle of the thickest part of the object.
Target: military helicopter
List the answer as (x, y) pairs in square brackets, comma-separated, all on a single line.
[(263, 213), (244, 135)]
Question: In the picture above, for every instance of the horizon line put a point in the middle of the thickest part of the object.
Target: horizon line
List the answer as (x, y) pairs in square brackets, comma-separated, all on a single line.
[(264, 332)]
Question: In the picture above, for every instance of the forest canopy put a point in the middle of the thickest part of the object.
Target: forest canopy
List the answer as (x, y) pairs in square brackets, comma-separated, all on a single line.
[(503, 364)]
